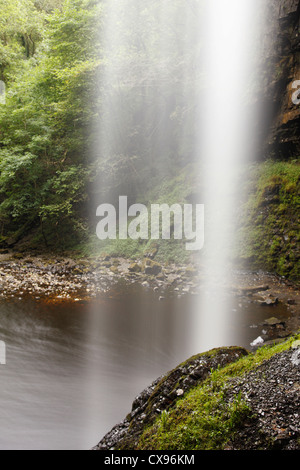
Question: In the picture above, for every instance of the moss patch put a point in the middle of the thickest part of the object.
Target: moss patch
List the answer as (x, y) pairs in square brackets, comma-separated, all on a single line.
[(269, 225)]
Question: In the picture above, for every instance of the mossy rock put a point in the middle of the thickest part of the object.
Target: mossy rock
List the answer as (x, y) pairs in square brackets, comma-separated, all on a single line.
[(163, 394), (152, 267), (135, 268), (114, 269), (18, 256)]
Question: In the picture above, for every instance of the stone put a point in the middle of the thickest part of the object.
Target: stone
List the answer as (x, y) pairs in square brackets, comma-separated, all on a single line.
[(273, 321), (250, 289), (135, 268), (257, 342), (18, 255), (163, 393), (114, 269), (160, 277), (152, 267), (106, 264), (268, 302)]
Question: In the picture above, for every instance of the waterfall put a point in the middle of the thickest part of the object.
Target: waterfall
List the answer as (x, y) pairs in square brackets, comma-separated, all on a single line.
[(226, 142), (175, 82)]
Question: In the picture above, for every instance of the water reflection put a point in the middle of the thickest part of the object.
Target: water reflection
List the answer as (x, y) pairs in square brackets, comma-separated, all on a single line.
[(73, 370)]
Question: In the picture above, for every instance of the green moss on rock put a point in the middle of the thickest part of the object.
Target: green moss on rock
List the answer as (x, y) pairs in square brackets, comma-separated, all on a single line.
[(269, 226)]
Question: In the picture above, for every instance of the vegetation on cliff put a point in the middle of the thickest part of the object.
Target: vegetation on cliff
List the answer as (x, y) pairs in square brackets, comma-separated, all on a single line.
[(252, 403), (269, 220), (219, 414)]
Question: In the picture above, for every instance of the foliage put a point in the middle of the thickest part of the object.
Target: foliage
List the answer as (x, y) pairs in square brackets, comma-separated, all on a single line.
[(21, 29), (43, 149), (269, 227)]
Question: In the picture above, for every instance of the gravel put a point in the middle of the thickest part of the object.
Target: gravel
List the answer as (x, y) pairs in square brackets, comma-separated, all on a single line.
[(272, 392)]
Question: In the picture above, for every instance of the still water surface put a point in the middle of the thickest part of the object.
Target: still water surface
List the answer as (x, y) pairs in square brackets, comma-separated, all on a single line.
[(73, 370)]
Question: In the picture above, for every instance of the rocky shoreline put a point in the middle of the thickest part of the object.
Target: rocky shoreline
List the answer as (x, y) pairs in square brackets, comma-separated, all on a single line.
[(69, 279), (60, 279), (45, 278)]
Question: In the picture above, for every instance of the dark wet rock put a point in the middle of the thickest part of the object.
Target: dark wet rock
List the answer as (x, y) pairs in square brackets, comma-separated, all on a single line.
[(18, 255), (160, 277), (162, 395), (135, 268), (274, 330), (152, 267), (283, 65)]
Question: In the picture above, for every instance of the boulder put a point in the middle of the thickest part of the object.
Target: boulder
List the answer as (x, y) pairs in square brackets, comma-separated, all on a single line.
[(152, 267), (163, 393), (134, 268), (273, 321)]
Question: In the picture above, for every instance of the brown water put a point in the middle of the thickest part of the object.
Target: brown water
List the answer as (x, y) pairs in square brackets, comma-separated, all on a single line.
[(73, 370)]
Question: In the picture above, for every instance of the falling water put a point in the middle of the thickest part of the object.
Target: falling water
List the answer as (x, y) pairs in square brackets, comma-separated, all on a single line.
[(212, 44), (216, 67), (225, 144), (213, 84)]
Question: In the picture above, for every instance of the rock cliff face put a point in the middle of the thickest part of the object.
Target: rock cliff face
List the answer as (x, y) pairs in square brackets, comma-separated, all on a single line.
[(281, 69)]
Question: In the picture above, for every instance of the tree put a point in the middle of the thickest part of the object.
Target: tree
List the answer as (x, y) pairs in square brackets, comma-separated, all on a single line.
[(21, 29), (44, 126)]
